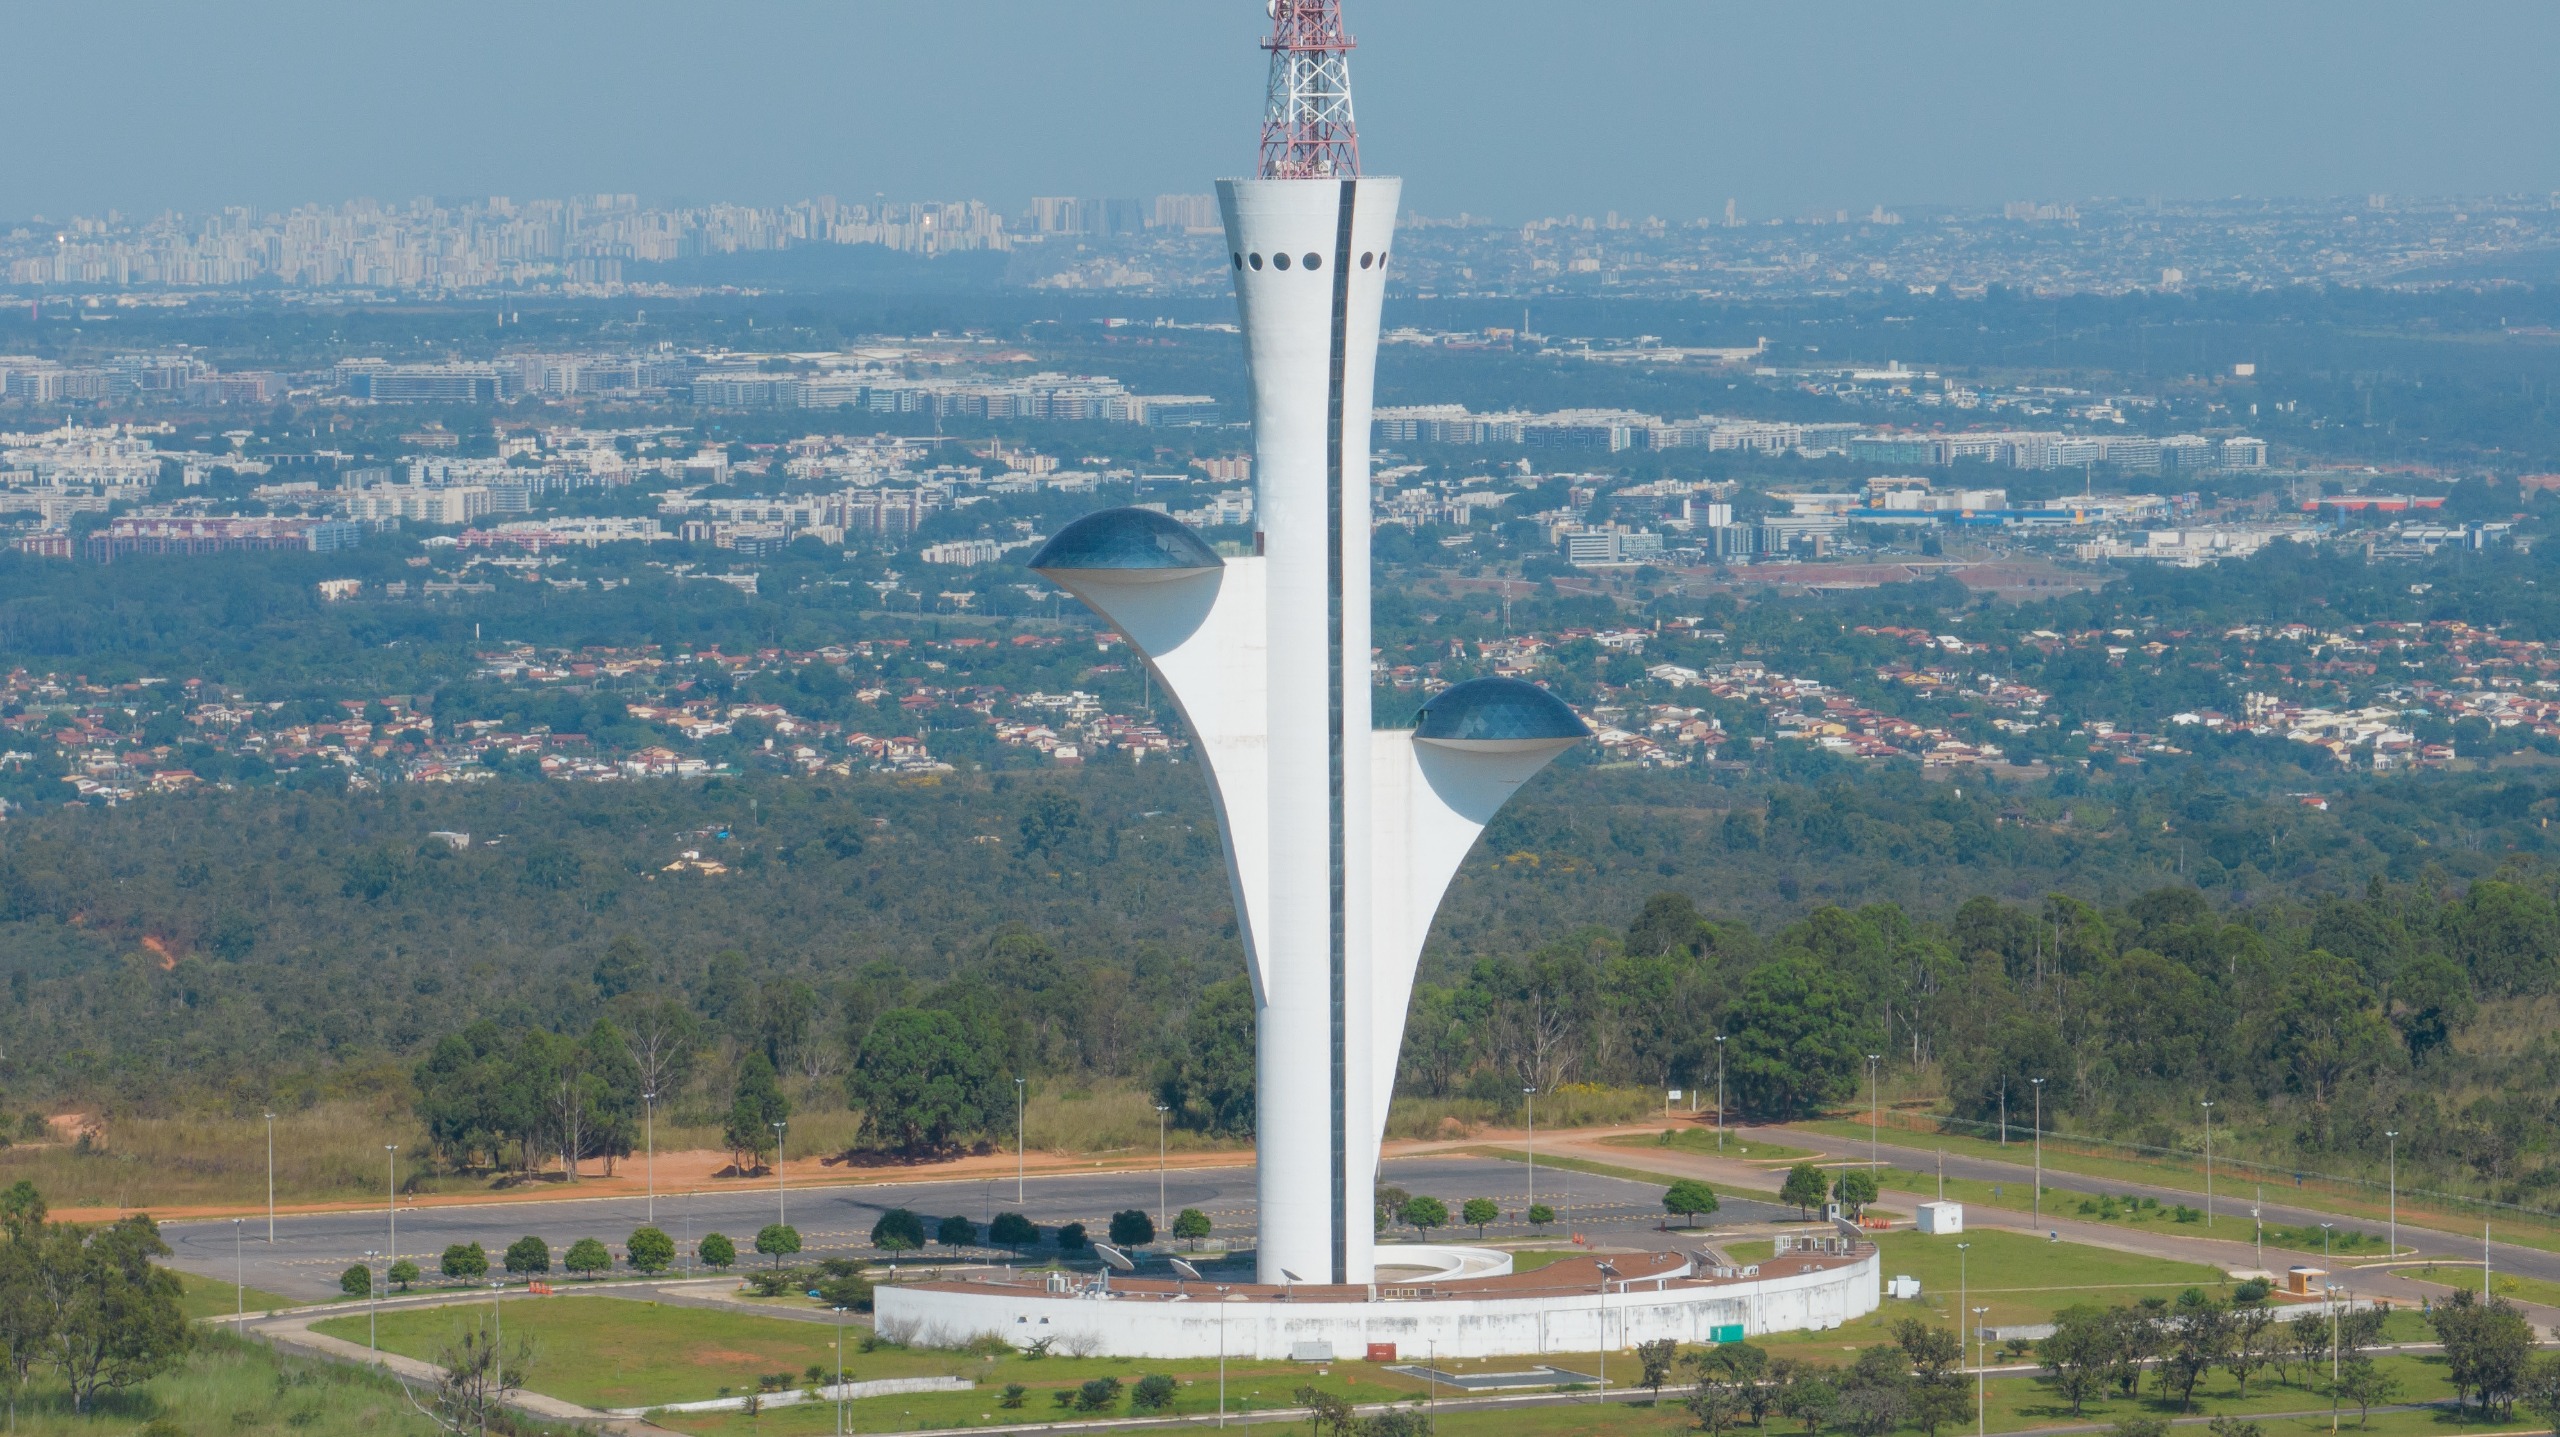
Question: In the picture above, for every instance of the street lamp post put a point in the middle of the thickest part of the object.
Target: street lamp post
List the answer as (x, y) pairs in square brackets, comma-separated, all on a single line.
[(1981, 1368), (649, 1136), (391, 1197), (2393, 1157), (2207, 1105), (840, 1372), (2332, 1290), (1719, 1092), (371, 1304), (1017, 1142), (2324, 1244), (271, 1178), (1530, 1096), (781, 1200), (1961, 1289), (2039, 1196), (1606, 1272), (1872, 1100), (2258, 1225), (239, 1280), (1222, 1356), (1162, 1112), (497, 1352)]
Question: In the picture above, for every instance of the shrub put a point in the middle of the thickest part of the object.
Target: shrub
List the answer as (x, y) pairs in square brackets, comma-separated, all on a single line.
[(1131, 1227), (1071, 1238), (1540, 1215), (956, 1231), (465, 1262), (528, 1255), (1191, 1225), (650, 1250), (586, 1257), (403, 1273), (1012, 1229), (356, 1281), (898, 1230), (1013, 1395), (1099, 1395), (717, 1251), (1153, 1393), (777, 1240)]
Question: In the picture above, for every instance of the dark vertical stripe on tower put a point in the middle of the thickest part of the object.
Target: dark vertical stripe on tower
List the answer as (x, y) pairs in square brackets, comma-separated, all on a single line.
[(1334, 670)]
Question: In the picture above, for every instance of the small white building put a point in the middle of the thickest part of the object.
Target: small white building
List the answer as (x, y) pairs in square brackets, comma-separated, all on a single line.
[(1938, 1219)]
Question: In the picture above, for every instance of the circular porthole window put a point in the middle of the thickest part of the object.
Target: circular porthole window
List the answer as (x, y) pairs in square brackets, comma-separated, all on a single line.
[(1314, 260), (1256, 261), (1366, 258), (1280, 261), (1239, 261)]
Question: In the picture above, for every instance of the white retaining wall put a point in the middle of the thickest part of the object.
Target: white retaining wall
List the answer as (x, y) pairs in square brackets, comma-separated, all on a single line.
[(1493, 1327)]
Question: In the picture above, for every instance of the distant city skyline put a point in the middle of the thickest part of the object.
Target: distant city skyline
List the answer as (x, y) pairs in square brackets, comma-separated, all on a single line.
[(1498, 107)]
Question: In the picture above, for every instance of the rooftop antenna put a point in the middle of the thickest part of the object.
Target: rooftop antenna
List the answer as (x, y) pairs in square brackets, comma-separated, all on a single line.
[(1186, 1271), (1307, 132), (1112, 1257)]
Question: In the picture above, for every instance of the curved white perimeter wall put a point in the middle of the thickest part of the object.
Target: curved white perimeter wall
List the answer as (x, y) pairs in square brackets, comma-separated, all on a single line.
[(1442, 1328)]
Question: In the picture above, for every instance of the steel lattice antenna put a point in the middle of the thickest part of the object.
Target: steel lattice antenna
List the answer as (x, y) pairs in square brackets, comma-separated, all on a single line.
[(1307, 131)]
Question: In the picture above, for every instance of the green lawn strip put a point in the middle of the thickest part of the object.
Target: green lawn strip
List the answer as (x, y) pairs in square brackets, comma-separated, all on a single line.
[(1702, 1141), (2022, 1279), (1538, 1257), (2231, 1190), (207, 1297), (609, 1353)]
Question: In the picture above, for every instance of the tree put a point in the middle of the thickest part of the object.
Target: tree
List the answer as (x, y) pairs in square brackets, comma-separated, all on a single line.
[(1208, 1080), (528, 1255), (1805, 1188), (2077, 1356), (1132, 1228), (356, 1281), (898, 1230), (2487, 1346), (1797, 1040), (1689, 1198), (1939, 1396), (650, 1249), (1191, 1225), (1324, 1409), (2363, 1382), (2198, 1341), (956, 1231), (1656, 1357), (777, 1241), (757, 1105), (464, 1262), (1875, 1395), (474, 1378), (1479, 1213), (404, 1274), (2540, 1390), (115, 1318), (716, 1250), (1071, 1237), (1806, 1394), (1422, 1214), (1853, 1190), (587, 1257), (1539, 1215), (1012, 1229), (927, 1080), (2252, 1334)]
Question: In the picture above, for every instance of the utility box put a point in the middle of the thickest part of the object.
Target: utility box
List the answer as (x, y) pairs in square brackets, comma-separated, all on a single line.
[(1902, 1286), (1939, 1219), (1382, 1352)]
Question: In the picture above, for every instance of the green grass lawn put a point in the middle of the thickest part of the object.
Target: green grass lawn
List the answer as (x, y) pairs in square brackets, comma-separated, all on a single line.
[(2021, 1278), (2230, 1192), (205, 1297), (1703, 1141), (234, 1387)]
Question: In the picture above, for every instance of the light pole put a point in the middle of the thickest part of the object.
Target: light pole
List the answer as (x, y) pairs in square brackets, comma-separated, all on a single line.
[(781, 1203), (1162, 1112), (1961, 1294), (649, 1135), (2332, 1290), (1606, 1272), (840, 1372), (1872, 1099), (2393, 1157), (391, 1196), (2324, 1245), (2039, 1197), (372, 1304), (1222, 1356), (271, 1177), (1981, 1368), (1530, 1096), (1017, 1142), (2258, 1225), (2207, 1105), (1719, 1092), (239, 1280), (497, 1352)]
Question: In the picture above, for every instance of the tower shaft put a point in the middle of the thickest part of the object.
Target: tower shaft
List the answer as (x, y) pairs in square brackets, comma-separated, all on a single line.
[(1307, 129)]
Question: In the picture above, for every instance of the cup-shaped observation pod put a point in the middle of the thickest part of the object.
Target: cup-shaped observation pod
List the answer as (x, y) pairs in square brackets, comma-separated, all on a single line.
[(1498, 716), (1126, 546)]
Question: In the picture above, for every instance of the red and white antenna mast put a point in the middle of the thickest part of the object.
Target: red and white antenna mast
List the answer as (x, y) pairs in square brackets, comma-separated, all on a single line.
[(1306, 123)]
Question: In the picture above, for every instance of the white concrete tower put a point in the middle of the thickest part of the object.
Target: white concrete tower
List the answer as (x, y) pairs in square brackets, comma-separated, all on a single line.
[(1340, 841)]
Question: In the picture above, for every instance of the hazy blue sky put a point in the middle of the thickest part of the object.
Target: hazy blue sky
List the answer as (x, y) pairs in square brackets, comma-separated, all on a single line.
[(1503, 107)]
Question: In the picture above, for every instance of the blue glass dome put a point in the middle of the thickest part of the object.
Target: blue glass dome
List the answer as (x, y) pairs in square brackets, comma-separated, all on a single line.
[(1496, 710), (1126, 539)]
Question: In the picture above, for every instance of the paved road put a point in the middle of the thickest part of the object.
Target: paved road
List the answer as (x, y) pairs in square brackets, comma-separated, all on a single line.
[(311, 1250)]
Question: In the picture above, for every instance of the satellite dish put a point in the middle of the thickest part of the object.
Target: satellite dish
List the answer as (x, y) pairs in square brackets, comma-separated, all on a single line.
[(1115, 1257), (1187, 1270), (1293, 1277)]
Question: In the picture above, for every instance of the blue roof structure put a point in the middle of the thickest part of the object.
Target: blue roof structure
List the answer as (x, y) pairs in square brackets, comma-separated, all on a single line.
[(1489, 710), (1126, 539)]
